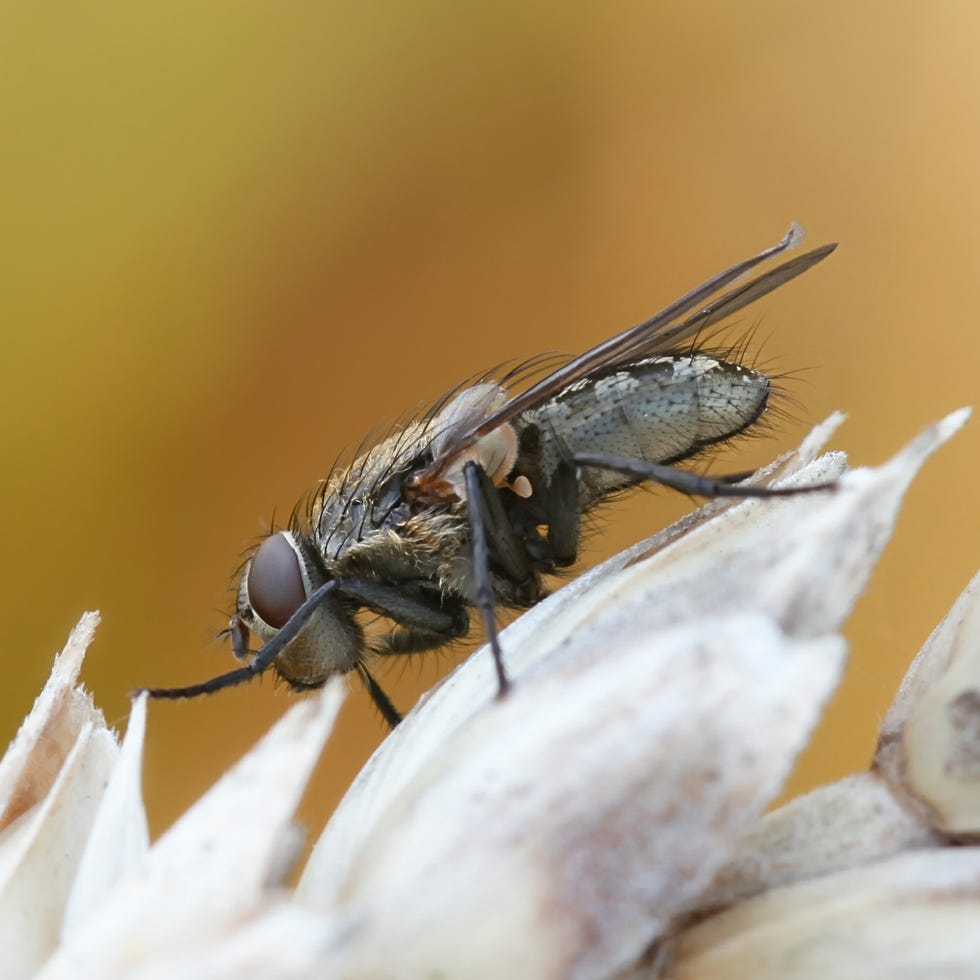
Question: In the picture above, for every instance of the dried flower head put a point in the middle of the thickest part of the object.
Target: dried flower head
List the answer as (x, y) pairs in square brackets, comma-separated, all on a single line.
[(607, 819)]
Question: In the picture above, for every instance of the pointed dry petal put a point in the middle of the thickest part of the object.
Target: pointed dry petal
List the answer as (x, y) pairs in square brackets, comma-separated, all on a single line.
[(283, 941), (52, 778), (32, 761), (588, 808), (212, 867), (854, 821), (119, 837), (804, 560), (48, 850), (929, 744), (912, 916)]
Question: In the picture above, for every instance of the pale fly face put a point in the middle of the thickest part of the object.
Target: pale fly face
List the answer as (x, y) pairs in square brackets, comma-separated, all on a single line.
[(472, 505), (275, 583)]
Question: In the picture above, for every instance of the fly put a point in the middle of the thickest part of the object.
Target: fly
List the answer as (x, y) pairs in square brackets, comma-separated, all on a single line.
[(471, 505)]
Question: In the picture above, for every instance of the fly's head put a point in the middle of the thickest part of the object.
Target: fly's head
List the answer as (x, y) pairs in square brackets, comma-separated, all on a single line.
[(276, 582)]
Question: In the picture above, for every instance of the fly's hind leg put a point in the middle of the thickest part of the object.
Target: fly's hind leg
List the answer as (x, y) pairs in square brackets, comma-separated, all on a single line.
[(689, 483), (381, 700), (553, 505), (563, 515)]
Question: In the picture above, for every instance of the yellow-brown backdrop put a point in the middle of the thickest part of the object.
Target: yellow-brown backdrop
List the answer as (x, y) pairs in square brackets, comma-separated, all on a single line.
[(236, 235)]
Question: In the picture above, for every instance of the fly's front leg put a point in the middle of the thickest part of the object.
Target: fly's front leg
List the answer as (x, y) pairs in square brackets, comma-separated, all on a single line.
[(689, 483), (381, 700)]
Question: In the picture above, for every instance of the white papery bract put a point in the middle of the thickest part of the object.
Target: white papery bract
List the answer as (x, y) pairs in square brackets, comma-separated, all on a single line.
[(606, 819)]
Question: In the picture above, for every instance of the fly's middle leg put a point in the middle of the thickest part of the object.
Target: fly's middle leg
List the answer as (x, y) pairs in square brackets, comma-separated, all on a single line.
[(562, 515), (495, 544)]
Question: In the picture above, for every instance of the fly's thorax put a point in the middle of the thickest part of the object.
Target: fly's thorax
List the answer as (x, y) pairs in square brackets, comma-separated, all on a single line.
[(659, 409), (364, 499), (422, 549), (276, 581)]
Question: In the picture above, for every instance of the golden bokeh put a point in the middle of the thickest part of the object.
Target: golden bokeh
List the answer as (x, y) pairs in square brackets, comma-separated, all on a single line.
[(237, 236)]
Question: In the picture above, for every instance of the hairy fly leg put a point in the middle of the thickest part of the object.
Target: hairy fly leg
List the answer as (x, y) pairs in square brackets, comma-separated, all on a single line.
[(506, 552), (493, 538), (409, 608), (563, 515), (553, 504), (423, 621), (381, 700), (424, 617), (689, 483)]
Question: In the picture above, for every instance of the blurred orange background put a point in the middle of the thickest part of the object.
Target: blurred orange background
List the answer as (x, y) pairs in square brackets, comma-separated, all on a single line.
[(238, 235)]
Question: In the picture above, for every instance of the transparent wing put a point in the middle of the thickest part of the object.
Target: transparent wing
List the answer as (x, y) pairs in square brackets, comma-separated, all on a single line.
[(662, 332)]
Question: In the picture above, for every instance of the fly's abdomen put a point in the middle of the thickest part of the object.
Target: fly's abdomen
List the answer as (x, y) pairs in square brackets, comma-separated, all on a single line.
[(659, 409)]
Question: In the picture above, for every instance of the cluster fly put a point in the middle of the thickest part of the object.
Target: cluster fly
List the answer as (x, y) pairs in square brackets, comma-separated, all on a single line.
[(469, 506)]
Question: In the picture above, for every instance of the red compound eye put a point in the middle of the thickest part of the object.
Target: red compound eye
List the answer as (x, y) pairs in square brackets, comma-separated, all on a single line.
[(275, 585)]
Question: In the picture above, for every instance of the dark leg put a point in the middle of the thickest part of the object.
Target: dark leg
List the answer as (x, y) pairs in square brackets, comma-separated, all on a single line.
[(426, 611), (260, 663), (388, 711), (437, 618), (563, 515), (506, 553), (690, 483), (404, 640), (481, 568), (424, 618)]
